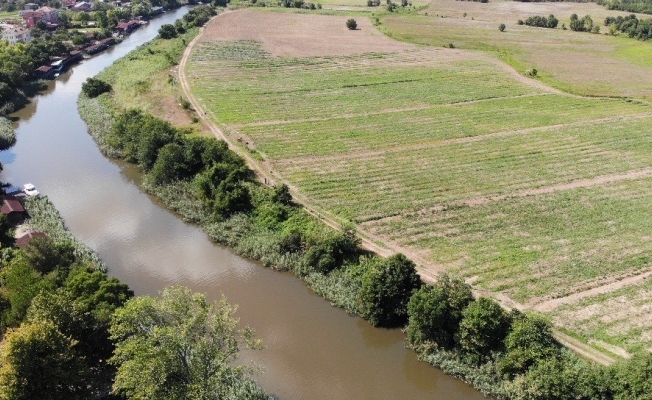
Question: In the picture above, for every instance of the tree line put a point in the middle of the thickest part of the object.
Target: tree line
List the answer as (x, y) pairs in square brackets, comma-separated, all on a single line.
[(506, 354), (640, 29), (638, 6)]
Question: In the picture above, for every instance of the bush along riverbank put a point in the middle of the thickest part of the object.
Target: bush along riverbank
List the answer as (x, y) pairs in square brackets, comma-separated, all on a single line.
[(504, 354), (7, 134), (93, 339)]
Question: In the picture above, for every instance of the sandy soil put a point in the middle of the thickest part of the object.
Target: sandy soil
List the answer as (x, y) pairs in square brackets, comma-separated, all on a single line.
[(301, 35)]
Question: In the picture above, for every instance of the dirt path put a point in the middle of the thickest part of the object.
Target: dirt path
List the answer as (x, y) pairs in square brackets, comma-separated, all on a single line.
[(427, 269), (552, 304)]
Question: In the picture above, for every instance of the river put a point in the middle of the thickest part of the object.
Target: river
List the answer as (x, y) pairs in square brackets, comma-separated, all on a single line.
[(312, 350)]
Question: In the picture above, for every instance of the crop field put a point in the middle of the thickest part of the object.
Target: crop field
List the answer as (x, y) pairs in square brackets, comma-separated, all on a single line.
[(577, 62), (455, 159)]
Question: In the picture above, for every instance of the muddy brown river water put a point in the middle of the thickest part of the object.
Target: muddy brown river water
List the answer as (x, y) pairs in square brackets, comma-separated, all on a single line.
[(312, 350)]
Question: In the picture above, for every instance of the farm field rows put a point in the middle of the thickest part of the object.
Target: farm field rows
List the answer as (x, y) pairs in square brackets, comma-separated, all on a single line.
[(524, 191)]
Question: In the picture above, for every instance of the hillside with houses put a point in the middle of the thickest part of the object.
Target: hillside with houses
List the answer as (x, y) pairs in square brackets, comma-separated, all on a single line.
[(43, 39)]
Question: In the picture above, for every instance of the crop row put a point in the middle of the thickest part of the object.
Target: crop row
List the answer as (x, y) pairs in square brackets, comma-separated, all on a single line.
[(387, 131), (383, 184), (545, 245)]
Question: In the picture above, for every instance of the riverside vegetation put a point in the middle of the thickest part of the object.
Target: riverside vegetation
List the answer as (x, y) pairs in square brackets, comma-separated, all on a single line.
[(506, 355), (92, 338)]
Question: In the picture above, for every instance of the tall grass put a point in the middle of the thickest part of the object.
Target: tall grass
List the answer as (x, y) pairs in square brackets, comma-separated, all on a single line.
[(7, 134), (43, 216)]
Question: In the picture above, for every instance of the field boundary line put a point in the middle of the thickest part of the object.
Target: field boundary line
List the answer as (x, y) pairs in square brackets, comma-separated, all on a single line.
[(379, 112), (368, 241), (551, 305), (461, 140)]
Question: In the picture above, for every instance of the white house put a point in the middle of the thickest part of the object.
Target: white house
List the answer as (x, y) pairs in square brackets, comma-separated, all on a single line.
[(16, 34)]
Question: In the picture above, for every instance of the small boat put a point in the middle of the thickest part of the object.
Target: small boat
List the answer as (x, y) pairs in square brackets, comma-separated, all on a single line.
[(30, 189)]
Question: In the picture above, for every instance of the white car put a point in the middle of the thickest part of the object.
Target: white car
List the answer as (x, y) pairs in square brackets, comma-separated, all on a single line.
[(30, 189)]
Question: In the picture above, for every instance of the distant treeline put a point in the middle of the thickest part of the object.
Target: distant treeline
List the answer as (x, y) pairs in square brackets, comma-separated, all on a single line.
[(555, 1), (640, 29), (638, 6)]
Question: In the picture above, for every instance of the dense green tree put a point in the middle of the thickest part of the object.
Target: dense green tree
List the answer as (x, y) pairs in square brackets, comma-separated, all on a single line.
[(386, 289), (94, 87), (82, 309), (351, 24), (39, 362), (529, 341), (483, 329), (170, 165), (562, 377), (633, 378), (22, 283), (324, 254), (167, 31), (179, 346), (6, 231), (435, 312)]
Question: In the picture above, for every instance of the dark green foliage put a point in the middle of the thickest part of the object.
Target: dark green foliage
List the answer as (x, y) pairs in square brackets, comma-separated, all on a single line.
[(633, 378), (386, 289), (6, 232), (82, 310), (501, 27), (435, 312), (282, 194), (529, 341), (22, 283), (167, 31), (198, 16), (542, 22), (483, 329), (581, 25), (638, 6), (39, 362), (640, 29), (351, 24), (561, 377), (140, 136), (324, 255), (169, 165), (46, 256), (95, 87)]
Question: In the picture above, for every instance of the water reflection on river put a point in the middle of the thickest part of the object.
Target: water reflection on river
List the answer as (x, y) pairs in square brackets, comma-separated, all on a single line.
[(313, 351)]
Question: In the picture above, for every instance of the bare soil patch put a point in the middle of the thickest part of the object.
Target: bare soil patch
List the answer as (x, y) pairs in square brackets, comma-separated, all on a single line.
[(301, 35)]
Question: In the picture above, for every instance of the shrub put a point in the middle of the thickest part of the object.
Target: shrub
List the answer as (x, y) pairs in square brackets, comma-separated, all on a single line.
[(386, 289), (7, 134), (95, 87), (435, 312), (483, 328), (501, 27), (351, 24), (529, 341), (167, 31)]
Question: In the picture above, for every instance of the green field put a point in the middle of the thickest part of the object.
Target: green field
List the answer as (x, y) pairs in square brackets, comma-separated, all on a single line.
[(524, 191), (576, 62)]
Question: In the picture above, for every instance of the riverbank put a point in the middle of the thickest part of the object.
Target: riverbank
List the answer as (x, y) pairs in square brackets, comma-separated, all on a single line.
[(341, 285)]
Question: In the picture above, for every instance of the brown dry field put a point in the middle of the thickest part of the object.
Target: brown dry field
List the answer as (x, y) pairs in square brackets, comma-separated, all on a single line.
[(558, 53), (300, 35)]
